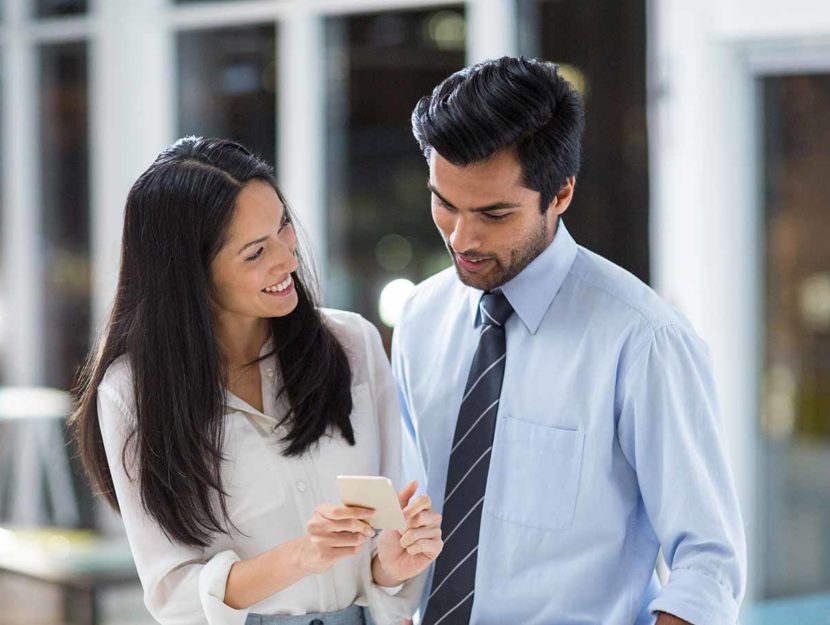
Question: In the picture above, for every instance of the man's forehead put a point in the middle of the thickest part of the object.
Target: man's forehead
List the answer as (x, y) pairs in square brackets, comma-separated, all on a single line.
[(496, 179), (504, 162)]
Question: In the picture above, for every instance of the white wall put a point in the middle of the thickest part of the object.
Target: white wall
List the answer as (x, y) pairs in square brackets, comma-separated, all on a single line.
[(771, 19)]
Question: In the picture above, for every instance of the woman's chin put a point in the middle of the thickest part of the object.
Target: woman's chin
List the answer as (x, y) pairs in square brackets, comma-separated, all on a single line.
[(281, 305)]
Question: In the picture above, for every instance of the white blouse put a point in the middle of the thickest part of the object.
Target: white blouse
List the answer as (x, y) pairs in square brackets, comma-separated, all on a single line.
[(271, 497)]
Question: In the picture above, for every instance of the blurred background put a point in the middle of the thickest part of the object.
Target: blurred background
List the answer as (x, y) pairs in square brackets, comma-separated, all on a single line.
[(706, 173)]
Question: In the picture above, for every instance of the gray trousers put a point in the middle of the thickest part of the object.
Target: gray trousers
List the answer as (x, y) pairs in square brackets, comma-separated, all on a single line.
[(353, 615)]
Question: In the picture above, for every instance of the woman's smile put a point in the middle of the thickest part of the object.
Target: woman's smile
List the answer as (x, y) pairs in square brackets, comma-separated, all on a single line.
[(280, 288)]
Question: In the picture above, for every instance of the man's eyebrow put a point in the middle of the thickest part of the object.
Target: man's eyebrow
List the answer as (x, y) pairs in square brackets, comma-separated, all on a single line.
[(479, 209)]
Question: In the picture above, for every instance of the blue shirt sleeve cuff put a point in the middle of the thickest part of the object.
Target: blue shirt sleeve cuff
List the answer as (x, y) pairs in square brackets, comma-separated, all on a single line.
[(697, 598)]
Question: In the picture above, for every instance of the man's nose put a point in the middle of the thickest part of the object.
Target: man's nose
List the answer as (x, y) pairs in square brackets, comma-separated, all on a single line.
[(463, 237)]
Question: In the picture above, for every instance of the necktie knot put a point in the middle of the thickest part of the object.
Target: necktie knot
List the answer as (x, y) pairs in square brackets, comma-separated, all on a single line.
[(495, 309)]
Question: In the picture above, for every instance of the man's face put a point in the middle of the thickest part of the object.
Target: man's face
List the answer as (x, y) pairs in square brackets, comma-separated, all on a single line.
[(491, 224)]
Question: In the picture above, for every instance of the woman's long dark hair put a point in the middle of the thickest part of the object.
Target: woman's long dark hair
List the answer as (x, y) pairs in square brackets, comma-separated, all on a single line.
[(175, 223)]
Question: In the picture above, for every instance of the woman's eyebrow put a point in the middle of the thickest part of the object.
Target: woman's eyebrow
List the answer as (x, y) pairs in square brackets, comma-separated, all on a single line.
[(262, 239), (247, 245)]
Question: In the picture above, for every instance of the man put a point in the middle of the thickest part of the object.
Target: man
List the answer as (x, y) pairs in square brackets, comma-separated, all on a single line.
[(564, 415)]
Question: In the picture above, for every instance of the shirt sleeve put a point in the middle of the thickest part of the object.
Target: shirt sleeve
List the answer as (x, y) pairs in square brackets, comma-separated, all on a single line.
[(413, 468), (669, 432), (182, 584), (389, 605)]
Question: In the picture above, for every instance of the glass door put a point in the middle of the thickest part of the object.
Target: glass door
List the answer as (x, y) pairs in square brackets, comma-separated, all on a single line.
[(795, 423)]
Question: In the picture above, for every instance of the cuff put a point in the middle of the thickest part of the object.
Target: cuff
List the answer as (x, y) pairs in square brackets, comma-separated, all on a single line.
[(697, 598), (390, 590), (212, 582), (389, 606)]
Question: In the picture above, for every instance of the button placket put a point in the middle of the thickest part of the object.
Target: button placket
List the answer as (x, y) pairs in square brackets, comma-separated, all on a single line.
[(309, 466)]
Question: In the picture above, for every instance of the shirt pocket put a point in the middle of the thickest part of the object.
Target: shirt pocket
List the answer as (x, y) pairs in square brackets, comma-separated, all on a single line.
[(534, 474)]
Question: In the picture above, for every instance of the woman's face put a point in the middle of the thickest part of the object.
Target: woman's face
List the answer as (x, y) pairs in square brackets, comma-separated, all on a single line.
[(251, 274)]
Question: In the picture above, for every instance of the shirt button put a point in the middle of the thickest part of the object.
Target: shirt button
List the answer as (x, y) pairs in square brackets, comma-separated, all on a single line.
[(269, 372), (316, 622), (301, 486)]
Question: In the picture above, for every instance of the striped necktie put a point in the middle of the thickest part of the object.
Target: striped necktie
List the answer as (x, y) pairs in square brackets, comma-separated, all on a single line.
[(453, 583)]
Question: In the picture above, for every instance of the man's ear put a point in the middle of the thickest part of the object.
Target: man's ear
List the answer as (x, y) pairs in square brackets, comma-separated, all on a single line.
[(560, 202)]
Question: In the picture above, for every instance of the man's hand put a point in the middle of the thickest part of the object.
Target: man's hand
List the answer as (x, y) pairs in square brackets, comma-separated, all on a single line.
[(670, 619)]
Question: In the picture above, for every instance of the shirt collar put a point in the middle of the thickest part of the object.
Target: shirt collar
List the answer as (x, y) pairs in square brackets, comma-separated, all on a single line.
[(267, 374), (533, 290), (234, 403)]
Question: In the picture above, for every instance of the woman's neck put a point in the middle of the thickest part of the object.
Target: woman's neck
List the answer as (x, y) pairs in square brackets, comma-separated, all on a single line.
[(241, 338)]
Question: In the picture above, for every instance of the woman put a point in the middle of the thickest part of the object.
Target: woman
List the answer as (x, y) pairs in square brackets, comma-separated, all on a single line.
[(222, 403)]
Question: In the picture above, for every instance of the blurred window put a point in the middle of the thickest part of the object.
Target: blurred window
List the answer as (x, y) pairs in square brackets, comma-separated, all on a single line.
[(64, 192), (4, 288), (796, 394), (64, 226), (227, 85), (378, 215), (601, 48), (53, 8)]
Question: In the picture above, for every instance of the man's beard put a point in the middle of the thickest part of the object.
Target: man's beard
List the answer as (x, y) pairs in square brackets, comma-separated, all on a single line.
[(501, 273)]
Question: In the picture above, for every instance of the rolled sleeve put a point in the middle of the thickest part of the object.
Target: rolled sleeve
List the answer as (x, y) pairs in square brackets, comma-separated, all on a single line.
[(213, 579), (669, 433), (696, 598), (183, 585)]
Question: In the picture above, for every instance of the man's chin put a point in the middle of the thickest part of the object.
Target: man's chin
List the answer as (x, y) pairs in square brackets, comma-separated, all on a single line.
[(485, 282)]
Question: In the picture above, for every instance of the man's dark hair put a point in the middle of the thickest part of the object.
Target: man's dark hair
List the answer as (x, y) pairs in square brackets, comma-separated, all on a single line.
[(502, 103)]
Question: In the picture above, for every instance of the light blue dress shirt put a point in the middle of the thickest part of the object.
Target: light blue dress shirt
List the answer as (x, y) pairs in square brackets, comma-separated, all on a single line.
[(607, 446)]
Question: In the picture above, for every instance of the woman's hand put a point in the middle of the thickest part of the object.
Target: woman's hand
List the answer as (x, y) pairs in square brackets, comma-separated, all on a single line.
[(334, 532), (402, 555)]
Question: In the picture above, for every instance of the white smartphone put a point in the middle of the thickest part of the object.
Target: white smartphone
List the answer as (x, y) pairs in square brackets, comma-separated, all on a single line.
[(378, 493)]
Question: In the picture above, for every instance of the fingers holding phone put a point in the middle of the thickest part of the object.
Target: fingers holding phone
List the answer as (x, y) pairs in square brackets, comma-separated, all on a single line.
[(422, 535), (332, 533), (403, 554)]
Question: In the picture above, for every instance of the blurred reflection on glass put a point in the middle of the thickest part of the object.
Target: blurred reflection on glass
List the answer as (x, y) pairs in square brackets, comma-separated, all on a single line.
[(601, 49), (796, 393), (52, 8), (379, 225), (64, 190), (226, 85), (64, 194), (4, 297)]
